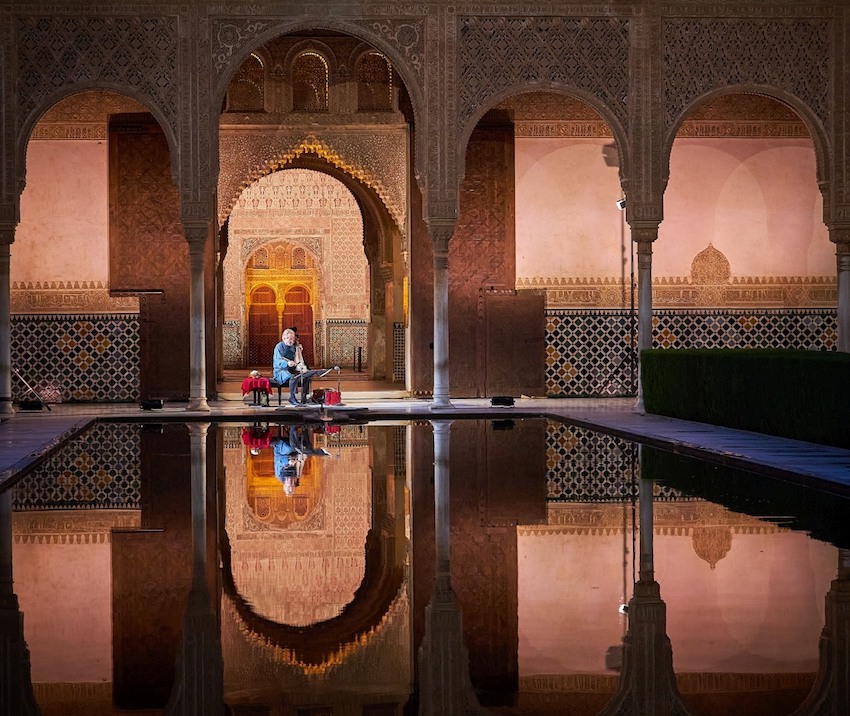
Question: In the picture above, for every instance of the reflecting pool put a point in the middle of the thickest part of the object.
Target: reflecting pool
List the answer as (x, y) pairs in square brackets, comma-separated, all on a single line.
[(515, 567)]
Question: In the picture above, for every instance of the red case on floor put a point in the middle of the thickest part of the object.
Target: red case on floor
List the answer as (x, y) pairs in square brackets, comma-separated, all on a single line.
[(332, 397)]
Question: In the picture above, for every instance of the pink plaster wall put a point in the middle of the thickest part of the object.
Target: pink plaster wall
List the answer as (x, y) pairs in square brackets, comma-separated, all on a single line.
[(567, 223), (65, 593), (760, 610), (63, 231), (755, 200)]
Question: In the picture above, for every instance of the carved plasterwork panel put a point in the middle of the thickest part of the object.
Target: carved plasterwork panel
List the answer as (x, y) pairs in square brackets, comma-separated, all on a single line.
[(587, 53), (705, 54), (139, 53), (376, 158), (399, 26), (83, 116)]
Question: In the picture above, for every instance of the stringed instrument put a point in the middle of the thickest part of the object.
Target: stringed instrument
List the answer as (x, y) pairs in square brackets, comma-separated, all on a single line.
[(300, 366)]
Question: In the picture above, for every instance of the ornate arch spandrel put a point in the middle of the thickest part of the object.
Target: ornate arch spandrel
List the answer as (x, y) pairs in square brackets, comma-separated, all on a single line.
[(54, 61), (401, 37), (587, 56), (400, 34)]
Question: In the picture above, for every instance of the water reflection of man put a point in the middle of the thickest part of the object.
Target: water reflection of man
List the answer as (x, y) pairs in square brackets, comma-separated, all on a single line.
[(290, 454)]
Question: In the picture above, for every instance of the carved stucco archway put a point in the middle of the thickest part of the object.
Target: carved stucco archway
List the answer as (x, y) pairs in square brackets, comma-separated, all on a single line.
[(402, 41), (809, 118)]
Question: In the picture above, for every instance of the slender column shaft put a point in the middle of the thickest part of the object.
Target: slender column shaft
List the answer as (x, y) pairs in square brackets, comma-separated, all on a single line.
[(644, 260), (440, 233), (842, 254), (6, 237), (197, 237), (643, 240)]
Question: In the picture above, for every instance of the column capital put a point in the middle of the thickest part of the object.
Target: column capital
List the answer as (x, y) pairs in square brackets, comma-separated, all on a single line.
[(197, 233), (644, 235), (441, 230), (840, 235), (7, 232)]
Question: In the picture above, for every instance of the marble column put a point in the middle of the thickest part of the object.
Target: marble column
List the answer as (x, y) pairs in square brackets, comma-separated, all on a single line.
[(197, 236), (16, 694), (7, 236), (440, 232), (199, 677), (648, 682), (842, 254), (444, 685), (643, 239)]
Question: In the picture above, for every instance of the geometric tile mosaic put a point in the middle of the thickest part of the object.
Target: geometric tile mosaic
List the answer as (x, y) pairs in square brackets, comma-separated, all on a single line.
[(348, 345), (87, 358), (100, 469), (588, 352)]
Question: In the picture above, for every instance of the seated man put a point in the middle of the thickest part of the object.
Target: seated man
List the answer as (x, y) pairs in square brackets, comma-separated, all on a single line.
[(288, 367)]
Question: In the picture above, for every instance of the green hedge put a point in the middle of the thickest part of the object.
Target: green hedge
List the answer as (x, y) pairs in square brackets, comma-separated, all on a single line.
[(790, 393)]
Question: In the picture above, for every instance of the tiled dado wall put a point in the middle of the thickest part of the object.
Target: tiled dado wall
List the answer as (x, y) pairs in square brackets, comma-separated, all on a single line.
[(83, 357), (588, 351)]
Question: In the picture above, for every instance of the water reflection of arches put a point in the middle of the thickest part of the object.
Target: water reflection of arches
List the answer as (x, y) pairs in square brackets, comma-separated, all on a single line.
[(315, 644)]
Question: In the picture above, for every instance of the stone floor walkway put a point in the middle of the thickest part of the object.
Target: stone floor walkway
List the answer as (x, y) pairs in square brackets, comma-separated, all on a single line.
[(28, 437)]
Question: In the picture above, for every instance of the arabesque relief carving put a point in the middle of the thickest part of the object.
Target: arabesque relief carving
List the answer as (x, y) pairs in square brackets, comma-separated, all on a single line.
[(705, 54), (59, 51), (587, 53)]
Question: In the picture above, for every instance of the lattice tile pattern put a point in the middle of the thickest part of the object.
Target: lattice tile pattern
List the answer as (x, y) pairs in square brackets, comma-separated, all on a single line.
[(80, 357), (398, 352), (588, 352), (344, 339), (99, 470)]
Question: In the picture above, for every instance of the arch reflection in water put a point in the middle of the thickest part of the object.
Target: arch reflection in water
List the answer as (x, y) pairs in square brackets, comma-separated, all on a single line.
[(129, 567)]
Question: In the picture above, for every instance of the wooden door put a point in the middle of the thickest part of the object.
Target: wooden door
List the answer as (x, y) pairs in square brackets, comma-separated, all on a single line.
[(262, 327), (515, 344), (298, 314)]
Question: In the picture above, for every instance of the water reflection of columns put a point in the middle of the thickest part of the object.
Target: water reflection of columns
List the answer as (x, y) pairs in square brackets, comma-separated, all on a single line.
[(16, 695), (199, 677), (444, 685), (830, 695), (647, 683)]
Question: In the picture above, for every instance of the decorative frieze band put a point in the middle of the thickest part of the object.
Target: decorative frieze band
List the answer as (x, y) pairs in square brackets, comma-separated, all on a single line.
[(582, 129), (680, 292), (69, 297)]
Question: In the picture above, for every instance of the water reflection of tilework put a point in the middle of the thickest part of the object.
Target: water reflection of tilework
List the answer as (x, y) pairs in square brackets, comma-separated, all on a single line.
[(588, 466), (101, 469), (92, 357), (587, 351)]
